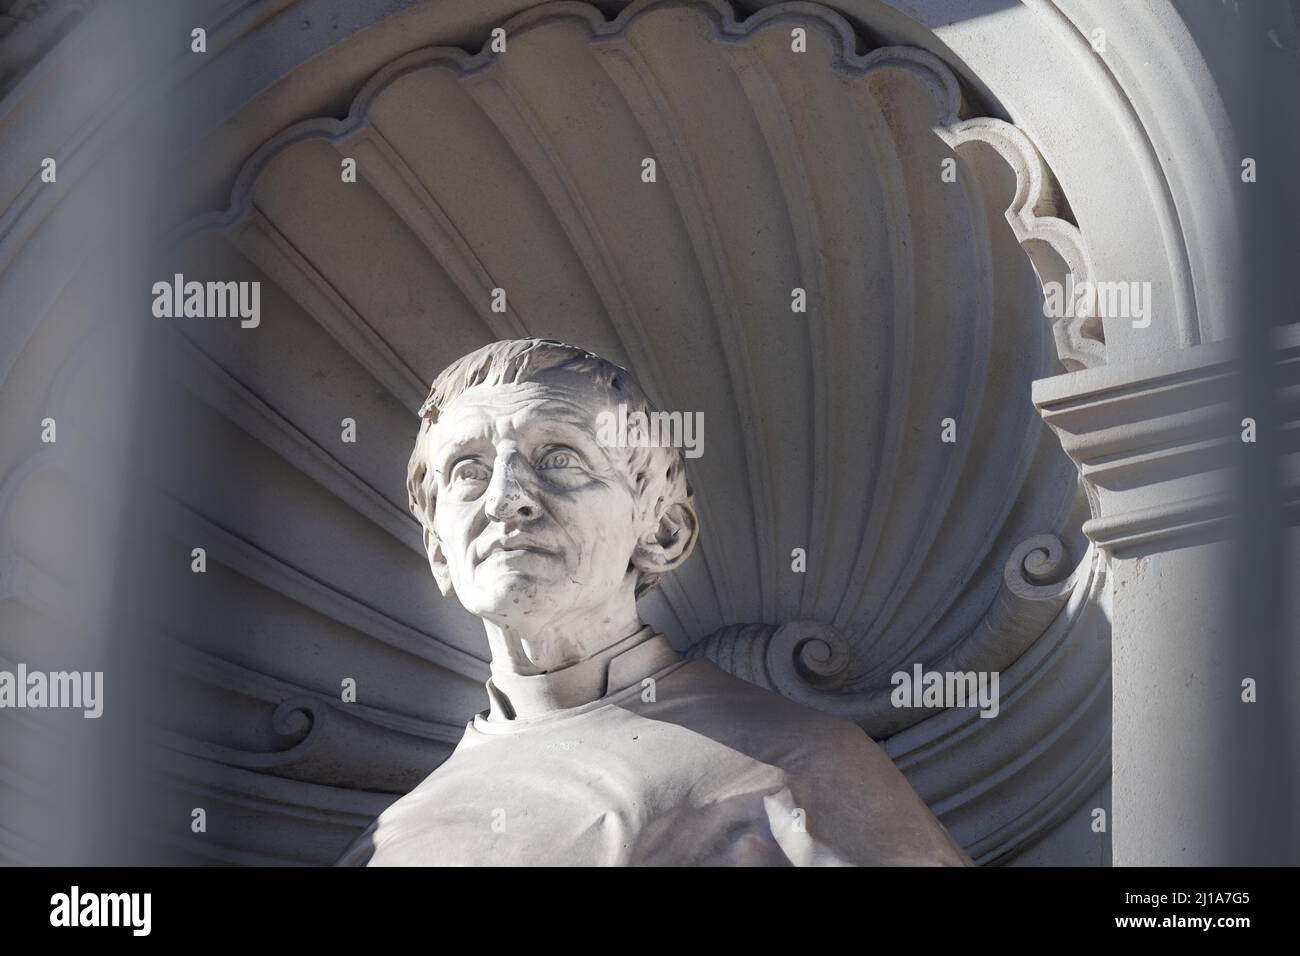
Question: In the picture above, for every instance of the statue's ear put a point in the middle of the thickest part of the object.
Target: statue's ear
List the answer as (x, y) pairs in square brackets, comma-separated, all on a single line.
[(437, 562), (669, 543)]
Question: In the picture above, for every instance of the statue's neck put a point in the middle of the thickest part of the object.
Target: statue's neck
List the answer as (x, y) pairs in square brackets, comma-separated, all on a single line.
[(516, 695), (527, 647)]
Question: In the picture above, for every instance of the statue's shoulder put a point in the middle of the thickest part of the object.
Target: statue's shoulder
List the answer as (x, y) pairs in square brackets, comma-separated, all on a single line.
[(862, 804), (703, 676), (790, 728)]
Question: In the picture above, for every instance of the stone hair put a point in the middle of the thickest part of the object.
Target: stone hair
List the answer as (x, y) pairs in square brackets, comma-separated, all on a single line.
[(658, 474)]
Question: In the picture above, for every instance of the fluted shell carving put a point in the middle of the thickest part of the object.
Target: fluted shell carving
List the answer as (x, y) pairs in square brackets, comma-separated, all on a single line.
[(820, 170), (318, 740), (842, 536), (809, 661)]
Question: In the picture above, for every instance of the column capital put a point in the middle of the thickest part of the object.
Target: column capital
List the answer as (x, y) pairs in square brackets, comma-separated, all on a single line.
[(1154, 439)]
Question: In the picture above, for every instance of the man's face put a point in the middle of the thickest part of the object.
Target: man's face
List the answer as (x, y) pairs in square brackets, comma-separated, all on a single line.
[(533, 516)]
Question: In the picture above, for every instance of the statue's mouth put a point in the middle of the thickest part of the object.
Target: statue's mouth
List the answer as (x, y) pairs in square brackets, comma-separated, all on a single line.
[(513, 547)]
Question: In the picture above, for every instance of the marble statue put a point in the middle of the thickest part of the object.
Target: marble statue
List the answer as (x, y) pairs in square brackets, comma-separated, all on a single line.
[(601, 744)]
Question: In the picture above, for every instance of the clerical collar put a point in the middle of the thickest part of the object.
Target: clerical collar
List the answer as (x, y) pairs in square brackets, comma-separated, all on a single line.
[(512, 696)]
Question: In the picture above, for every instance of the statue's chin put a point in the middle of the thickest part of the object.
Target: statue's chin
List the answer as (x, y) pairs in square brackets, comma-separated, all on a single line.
[(508, 594)]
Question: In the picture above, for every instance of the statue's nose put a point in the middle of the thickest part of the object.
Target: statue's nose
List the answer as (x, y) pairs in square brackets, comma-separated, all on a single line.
[(507, 499)]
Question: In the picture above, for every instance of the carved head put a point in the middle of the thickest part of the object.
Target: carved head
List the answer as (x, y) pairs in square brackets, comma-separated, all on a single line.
[(524, 510)]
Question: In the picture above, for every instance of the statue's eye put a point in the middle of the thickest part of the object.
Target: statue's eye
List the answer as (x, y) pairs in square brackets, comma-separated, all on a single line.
[(558, 458), (469, 470)]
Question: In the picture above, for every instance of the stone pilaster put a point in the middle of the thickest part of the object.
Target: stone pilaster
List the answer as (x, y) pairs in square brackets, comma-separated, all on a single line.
[(1202, 775)]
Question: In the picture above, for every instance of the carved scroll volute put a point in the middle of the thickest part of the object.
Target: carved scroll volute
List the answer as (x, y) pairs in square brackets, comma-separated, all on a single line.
[(807, 654), (809, 661)]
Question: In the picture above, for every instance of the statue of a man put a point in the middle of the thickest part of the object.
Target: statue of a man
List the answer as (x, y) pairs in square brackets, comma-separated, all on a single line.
[(602, 744)]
